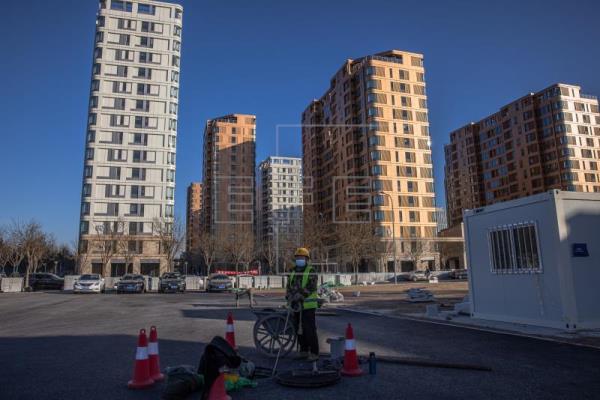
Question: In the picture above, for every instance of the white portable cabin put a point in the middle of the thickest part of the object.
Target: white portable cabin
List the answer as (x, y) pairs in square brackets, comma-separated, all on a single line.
[(536, 260)]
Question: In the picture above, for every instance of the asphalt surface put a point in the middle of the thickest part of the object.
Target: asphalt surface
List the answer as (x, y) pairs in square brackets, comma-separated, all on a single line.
[(62, 346)]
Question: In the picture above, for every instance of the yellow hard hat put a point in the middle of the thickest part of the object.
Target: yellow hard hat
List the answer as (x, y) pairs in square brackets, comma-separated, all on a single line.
[(302, 251)]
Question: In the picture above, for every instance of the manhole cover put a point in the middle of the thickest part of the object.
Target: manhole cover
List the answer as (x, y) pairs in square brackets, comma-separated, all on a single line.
[(307, 378)]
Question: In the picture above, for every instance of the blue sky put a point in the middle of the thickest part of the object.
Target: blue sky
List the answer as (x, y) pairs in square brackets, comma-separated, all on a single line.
[(270, 58)]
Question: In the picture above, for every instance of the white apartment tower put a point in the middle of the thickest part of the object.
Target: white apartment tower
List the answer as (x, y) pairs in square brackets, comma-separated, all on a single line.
[(129, 166), (280, 201)]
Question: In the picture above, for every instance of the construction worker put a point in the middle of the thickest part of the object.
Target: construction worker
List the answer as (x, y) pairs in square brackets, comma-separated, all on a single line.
[(302, 297)]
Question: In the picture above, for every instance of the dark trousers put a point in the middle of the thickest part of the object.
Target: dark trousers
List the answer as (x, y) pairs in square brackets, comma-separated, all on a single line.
[(309, 342)]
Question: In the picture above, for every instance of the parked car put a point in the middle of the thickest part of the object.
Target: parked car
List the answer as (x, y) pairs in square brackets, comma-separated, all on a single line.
[(461, 274), (45, 280), (416, 276), (219, 283), (89, 283), (442, 275), (131, 283), (171, 282)]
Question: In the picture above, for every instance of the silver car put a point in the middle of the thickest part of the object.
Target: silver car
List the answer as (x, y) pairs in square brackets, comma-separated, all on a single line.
[(89, 283), (219, 283)]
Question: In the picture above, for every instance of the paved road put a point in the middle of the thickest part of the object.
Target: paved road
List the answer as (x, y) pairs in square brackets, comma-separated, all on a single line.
[(64, 346)]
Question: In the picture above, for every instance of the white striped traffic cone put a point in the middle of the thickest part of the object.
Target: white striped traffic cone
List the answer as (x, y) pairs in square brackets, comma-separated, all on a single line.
[(153, 358), (141, 371), (350, 367), (230, 332)]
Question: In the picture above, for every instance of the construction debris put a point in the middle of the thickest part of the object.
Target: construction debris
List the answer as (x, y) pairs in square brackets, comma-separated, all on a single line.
[(328, 294), (418, 295)]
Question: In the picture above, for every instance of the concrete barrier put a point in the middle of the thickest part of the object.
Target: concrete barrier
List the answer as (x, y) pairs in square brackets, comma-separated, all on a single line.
[(153, 283), (327, 278), (261, 282), (70, 281), (11, 285), (193, 283), (110, 282), (275, 282), (244, 282), (343, 279)]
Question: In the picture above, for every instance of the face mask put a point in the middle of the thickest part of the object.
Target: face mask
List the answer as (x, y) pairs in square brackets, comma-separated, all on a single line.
[(300, 263)]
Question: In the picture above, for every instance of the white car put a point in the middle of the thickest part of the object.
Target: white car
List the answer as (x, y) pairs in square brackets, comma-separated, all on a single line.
[(89, 283)]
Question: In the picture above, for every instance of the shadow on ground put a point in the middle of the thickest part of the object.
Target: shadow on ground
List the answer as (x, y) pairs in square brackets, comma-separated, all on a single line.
[(88, 367)]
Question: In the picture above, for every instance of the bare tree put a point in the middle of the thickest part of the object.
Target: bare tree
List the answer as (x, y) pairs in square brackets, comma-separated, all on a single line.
[(385, 250), (5, 248), (288, 244), (268, 253), (316, 234), (36, 245), (416, 250), (16, 252), (209, 247), (239, 246), (80, 251), (171, 234), (126, 251), (105, 242), (357, 242)]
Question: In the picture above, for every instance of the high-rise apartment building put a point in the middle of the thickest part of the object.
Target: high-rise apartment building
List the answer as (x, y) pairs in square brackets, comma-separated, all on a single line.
[(542, 141), (129, 168), (366, 150), (229, 175), (193, 223), (280, 205)]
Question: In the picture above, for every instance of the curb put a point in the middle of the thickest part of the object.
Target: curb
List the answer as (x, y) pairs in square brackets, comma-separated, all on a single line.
[(474, 328)]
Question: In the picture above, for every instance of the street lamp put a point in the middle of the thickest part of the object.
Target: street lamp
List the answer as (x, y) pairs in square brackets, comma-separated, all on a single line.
[(393, 233)]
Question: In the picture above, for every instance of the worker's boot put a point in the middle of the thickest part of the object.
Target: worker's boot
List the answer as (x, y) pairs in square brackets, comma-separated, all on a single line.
[(312, 357), (301, 355)]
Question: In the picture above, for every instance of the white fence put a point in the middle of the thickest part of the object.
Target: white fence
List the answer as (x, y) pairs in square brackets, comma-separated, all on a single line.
[(195, 283)]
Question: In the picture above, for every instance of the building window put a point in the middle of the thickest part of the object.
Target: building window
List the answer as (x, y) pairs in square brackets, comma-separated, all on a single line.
[(84, 228), (146, 41), (146, 9), (514, 249), (85, 208), (120, 5), (88, 171), (177, 30), (87, 190)]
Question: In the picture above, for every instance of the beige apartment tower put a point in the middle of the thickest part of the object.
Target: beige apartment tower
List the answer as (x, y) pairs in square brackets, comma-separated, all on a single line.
[(367, 156), (193, 223), (542, 141), (228, 209), (128, 184)]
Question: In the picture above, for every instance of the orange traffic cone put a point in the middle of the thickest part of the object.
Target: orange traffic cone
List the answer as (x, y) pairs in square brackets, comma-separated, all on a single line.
[(350, 367), (217, 390), (153, 356), (230, 332), (141, 371)]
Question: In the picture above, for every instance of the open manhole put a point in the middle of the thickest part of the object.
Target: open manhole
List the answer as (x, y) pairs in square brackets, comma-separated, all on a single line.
[(307, 378)]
